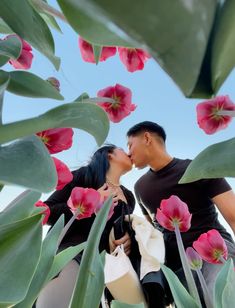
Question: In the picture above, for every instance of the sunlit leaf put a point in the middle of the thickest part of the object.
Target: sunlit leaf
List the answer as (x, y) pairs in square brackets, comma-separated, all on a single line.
[(181, 297), (179, 49), (215, 161), (222, 53), (49, 248), (20, 247), (10, 47), (20, 208), (29, 25), (97, 52), (88, 117), (27, 84), (90, 283), (27, 163)]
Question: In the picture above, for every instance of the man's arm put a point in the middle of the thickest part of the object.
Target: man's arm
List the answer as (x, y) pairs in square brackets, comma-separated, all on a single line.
[(225, 203)]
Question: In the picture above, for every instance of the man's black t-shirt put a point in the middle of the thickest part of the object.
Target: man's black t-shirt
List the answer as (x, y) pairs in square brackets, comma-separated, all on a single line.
[(153, 187)]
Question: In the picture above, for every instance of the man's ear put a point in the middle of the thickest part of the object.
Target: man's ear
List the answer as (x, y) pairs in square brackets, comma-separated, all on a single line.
[(147, 138)]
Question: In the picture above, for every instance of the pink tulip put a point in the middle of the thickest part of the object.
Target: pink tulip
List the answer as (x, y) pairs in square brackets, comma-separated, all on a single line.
[(211, 247), (26, 57), (207, 114), (57, 139), (54, 82), (194, 259), (63, 173), (173, 212), (84, 199), (46, 212), (122, 106), (88, 54), (133, 58)]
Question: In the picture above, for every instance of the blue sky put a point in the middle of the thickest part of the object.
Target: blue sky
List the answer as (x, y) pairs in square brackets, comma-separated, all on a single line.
[(157, 98)]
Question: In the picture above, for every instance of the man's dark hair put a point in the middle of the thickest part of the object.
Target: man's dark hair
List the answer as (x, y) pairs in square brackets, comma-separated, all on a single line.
[(147, 126)]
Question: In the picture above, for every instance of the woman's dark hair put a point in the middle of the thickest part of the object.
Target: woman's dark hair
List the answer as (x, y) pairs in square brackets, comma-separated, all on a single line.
[(95, 171), (147, 126)]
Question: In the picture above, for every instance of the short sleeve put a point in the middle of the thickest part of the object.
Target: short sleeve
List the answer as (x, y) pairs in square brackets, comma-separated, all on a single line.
[(215, 187)]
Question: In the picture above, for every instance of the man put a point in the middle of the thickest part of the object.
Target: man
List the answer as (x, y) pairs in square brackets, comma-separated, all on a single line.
[(146, 142)]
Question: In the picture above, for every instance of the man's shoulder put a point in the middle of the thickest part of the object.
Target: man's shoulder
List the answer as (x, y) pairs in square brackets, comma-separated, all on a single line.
[(142, 179)]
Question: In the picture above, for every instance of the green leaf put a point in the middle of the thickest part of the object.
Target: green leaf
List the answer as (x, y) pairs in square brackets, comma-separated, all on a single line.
[(222, 53), (92, 29), (20, 208), (63, 258), (179, 50), (81, 97), (20, 247), (117, 304), (27, 84), (97, 52), (181, 297), (28, 163), (4, 28), (3, 60), (10, 47), (49, 248), (224, 286), (68, 115), (215, 161), (4, 80), (29, 25), (90, 282)]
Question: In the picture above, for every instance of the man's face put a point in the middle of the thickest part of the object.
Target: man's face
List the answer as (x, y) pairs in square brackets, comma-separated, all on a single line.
[(137, 151)]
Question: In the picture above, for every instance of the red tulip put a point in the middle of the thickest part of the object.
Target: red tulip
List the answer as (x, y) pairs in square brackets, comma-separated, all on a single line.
[(57, 139), (84, 199), (133, 58), (211, 247), (194, 259), (88, 54), (26, 57), (173, 212), (54, 82), (122, 106), (207, 114), (63, 173), (46, 212)]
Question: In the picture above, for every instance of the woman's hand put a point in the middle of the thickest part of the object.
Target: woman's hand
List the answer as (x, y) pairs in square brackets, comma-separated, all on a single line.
[(106, 191), (126, 241)]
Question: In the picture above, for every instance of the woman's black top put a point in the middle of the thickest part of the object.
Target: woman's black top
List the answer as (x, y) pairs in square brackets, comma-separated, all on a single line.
[(79, 230)]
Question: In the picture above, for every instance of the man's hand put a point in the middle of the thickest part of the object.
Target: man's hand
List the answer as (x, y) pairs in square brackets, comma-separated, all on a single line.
[(126, 241)]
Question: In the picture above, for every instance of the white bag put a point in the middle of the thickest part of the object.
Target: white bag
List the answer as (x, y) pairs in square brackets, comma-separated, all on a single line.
[(121, 278)]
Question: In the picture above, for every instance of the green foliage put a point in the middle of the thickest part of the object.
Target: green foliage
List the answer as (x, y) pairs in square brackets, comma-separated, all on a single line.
[(215, 161), (181, 297), (11, 47), (21, 207), (224, 286), (90, 282), (20, 244), (117, 304), (27, 163), (29, 25), (67, 115), (28, 84)]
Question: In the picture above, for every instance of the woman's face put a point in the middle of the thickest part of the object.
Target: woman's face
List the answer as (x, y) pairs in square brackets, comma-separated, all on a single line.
[(120, 158)]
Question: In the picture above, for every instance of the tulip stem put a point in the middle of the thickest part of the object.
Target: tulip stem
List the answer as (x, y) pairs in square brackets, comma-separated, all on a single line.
[(1, 105), (188, 274), (43, 6), (207, 296), (67, 226), (230, 113), (222, 259)]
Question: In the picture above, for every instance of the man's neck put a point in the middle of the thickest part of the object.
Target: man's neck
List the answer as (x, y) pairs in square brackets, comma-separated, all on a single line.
[(159, 163)]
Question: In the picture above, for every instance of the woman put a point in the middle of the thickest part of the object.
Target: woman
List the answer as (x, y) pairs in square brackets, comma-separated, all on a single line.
[(103, 173)]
